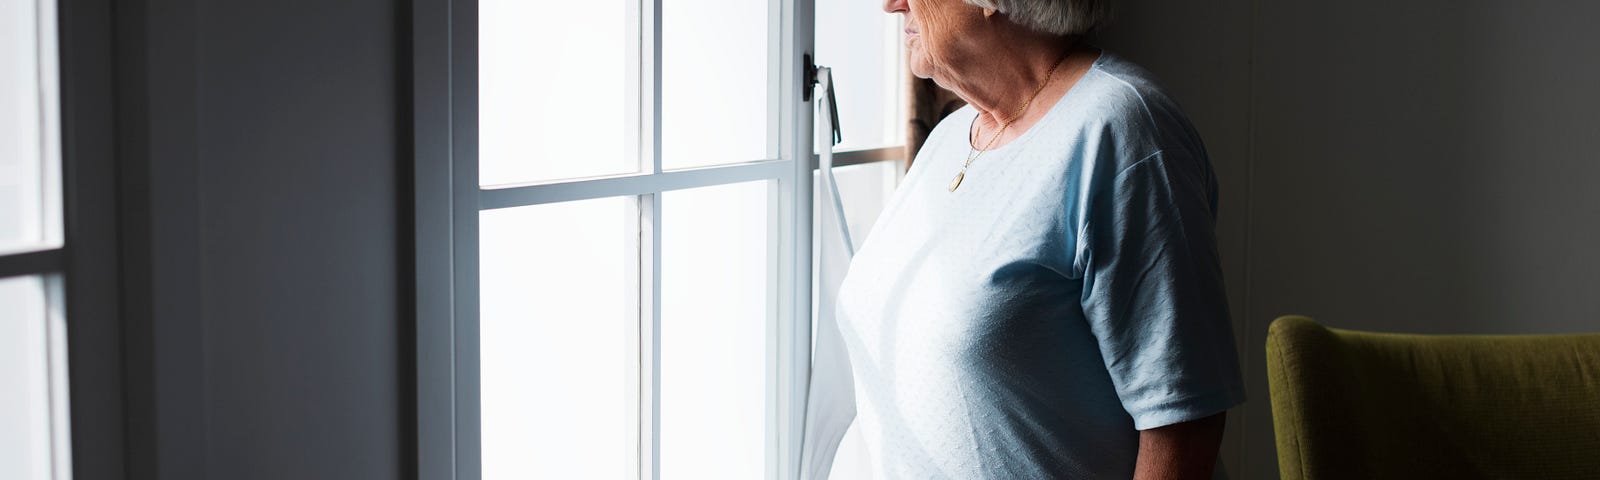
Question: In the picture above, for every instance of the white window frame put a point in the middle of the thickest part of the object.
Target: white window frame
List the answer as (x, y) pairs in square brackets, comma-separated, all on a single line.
[(447, 199)]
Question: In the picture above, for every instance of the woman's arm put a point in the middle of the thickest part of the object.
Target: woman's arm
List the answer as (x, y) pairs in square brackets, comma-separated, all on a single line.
[(1180, 451)]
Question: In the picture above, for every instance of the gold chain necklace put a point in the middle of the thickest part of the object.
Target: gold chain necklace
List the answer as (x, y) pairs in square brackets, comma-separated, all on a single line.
[(973, 155)]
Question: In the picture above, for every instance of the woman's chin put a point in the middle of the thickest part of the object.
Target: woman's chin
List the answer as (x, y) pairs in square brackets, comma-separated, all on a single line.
[(918, 65)]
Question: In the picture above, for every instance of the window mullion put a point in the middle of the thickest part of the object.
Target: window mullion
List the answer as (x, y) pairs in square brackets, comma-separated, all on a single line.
[(32, 263), (649, 108), (637, 72), (859, 157), (649, 336), (651, 86), (644, 335), (796, 24), (629, 185), (56, 348)]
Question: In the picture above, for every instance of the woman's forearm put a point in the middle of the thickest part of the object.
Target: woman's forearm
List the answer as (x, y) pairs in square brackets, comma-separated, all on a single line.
[(1180, 451)]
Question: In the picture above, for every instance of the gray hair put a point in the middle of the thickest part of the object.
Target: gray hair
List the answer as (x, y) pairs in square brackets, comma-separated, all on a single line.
[(1060, 17)]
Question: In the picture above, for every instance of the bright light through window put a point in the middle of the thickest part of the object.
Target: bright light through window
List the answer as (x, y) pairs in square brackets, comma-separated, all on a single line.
[(559, 363), (30, 205), (714, 289), (553, 90), (714, 83), (24, 380)]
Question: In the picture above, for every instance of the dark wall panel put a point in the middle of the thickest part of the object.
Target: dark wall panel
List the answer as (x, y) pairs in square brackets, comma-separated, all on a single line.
[(295, 140)]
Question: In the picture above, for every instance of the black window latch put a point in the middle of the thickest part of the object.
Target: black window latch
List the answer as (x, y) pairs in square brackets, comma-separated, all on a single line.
[(812, 78)]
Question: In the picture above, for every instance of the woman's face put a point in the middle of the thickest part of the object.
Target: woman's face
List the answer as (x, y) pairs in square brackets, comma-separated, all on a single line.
[(937, 33)]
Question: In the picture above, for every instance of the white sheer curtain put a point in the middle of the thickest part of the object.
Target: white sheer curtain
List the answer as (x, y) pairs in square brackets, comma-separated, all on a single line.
[(830, 403)]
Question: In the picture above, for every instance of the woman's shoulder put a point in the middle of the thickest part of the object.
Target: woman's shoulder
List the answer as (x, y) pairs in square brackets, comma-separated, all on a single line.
[(1117, 89), (1122, 102)]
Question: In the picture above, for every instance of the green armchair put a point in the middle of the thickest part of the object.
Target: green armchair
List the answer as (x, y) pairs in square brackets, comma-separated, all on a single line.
[(1360, 405)]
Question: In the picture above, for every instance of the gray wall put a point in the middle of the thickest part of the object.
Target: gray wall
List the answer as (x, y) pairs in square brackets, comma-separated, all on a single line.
[(299, 226), (1420, 166), (259, 145)]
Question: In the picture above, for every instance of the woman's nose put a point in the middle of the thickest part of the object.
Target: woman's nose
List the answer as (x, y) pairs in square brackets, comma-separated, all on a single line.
[(892, 6)]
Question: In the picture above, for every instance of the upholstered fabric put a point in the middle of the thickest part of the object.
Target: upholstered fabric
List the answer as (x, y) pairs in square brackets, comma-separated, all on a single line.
[(1349, 404)]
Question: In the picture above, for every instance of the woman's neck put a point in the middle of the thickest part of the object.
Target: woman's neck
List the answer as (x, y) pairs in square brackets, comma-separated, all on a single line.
[(998, 85)]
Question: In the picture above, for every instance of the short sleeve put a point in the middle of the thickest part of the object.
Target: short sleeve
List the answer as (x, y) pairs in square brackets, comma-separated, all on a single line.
[(1153, 292)]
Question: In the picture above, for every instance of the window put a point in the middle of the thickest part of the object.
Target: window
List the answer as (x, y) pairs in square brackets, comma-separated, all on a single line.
[(33, 433), (625, 286)]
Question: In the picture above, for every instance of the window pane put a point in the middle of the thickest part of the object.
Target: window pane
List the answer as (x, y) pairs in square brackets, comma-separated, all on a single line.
[(557, 353), (553, 86), (29, 166), (24, 380), (714, 82), (714, 310), (864, 47)]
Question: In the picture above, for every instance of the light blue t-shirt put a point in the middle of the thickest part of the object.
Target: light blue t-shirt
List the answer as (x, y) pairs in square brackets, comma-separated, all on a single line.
[(1067, 295)]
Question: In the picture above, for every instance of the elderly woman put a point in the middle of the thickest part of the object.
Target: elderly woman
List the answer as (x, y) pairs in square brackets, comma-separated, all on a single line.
[(1042, 296)]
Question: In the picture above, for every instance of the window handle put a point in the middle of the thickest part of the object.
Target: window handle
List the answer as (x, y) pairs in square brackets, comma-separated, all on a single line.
[(814, 75)]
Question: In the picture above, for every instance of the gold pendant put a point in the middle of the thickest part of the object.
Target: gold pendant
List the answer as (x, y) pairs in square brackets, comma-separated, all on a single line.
[(956, 182)]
